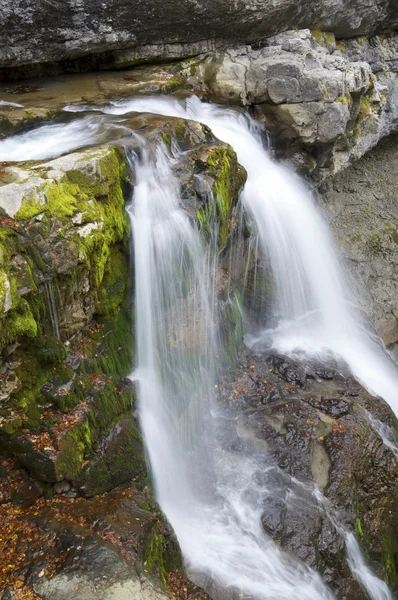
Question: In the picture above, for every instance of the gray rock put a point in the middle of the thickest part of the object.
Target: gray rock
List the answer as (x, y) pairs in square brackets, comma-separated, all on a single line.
[(27, 493), (319, 434), (35, 32), (362, 209), (61, 487), (324, 103)]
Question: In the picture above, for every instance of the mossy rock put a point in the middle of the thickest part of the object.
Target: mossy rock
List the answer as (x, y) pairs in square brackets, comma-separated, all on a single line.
[(230, 177), (14, 118), (64, 225), (121, 460), (161, 553)]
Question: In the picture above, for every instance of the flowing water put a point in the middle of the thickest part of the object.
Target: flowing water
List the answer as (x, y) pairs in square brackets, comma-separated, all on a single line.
[(211, 499), (311, 302)]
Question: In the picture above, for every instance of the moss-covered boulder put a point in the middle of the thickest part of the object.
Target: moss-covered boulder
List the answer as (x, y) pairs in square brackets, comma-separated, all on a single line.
[(66, 322)]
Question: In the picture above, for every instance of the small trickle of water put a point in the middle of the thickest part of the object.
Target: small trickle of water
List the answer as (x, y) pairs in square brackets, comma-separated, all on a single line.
[(375, 587), (387, 434), (52, 308)]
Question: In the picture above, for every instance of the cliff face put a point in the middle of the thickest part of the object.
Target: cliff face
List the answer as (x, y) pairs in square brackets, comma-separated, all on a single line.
[(44, 31), (361, 206)]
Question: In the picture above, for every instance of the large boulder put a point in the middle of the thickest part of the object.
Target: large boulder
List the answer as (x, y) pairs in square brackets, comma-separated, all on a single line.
[(33, 33)]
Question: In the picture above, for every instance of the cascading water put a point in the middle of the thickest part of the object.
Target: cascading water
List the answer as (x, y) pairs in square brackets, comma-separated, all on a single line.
[(314, 314), (202, 491), (50, 140), (213, 502)]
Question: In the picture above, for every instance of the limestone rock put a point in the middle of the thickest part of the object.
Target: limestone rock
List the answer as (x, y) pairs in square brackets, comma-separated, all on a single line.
[(324, 102), (361, 206), (32, 34)]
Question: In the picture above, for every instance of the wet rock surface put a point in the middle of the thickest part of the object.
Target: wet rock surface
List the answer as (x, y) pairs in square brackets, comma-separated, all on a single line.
[(361, 207), (311, 427)]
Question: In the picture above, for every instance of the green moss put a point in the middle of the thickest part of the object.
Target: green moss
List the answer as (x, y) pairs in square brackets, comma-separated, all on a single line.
[(229, 178), (173, 84), (356, 133), (60, 201), (113, 289), (340, 46), (72, 447), (365, 108), (375, 244), (323, 38), (167, 139), (324, 91), (154, 556), (346, 99), (390, 571), (358, 527), (161, 556), (203, 223), (18, 322)]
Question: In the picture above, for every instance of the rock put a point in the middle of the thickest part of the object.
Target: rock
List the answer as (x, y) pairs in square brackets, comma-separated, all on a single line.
[(120, 459), (324, 103), (289, 369), (119, 34), (273, 516), (319, 436), (61, 487), (14, 118), (361, 208), (8, 595), (27, 493), (52, 277), (87, 566)]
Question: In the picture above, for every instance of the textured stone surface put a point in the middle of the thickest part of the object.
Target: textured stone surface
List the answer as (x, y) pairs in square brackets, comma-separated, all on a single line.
[(323, 102), (316, 432), (361, 205), (34, 31)]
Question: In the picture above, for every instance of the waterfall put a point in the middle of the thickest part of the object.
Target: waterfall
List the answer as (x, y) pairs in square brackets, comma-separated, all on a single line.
[(212, 503), (312, 306), (315, 317), (213, 500)]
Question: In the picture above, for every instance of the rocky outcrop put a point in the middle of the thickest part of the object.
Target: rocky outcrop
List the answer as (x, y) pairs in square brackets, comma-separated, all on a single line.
[(65, 409), (323, 102), (114, 546), (322, 466), (34, 32), (360, 204)]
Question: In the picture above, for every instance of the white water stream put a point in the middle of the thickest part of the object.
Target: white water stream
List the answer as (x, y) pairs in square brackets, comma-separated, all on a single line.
[(211, 501), (315, 312), (198, 486)]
